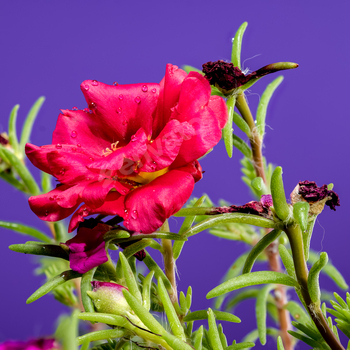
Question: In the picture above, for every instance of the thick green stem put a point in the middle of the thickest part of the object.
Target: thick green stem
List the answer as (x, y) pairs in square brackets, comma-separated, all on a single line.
[(271, 251), (255, 141), (296, 242), (169, 263)]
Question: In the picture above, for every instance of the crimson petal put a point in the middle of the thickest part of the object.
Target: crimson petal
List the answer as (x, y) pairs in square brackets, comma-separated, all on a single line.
[(150, 205)]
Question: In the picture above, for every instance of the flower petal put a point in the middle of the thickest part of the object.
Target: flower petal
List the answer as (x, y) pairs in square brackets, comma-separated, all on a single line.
[(82, 129), (170, 88), (134, 150), (113, 205), (46, 207), (165, 148), (122, 110), (150, 205)]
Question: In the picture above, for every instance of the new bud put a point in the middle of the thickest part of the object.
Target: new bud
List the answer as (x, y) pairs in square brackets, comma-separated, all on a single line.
[(108, 298)]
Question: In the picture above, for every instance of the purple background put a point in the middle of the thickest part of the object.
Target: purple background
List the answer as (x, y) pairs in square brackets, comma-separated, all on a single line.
[(48, 48)]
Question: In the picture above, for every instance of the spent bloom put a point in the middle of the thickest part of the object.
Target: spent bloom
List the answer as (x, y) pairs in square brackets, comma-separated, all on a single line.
[(133, 152), (87, 248)]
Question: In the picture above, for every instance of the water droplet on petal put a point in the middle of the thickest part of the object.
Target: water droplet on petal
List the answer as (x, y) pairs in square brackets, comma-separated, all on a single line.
[(154, 91), (115, 83), (124, 190), (119, 110), (120, 96), (92, 159), (79, 145), (46, 213), (86, 87), (94, 83), (92, 105), (133, 138), (144, 88), (124, 122), (73, 134), (137, 99), (134, 214), (58, 146), (75, 108), (62, 171)]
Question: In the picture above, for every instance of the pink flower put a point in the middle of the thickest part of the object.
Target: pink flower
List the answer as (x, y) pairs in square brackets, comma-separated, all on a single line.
[(87, 248), (133, 153), (34, 344)]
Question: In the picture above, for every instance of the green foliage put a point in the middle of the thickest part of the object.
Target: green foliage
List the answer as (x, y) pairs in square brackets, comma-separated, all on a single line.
[(313, 279), (330, 270), (241, 146), (227, 130), (64, 293), (26, 230), (251, 279), (259, 248), (237, 45), (278, 195), (341, 310), (262, 107)]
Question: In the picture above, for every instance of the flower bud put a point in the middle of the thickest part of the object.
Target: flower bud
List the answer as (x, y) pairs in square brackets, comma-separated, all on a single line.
[(108, 298)]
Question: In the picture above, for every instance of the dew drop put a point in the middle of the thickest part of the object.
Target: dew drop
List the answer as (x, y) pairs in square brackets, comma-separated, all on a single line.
[(124, 122), (75, 108), (62, 171), (144, 88), (126, 211), (94, 83), (86, 87), (137, 99), (92, 159), (92, 105), (119, 110), (154, 91), (120, 96), (115, 83), (73, 134), (78, 145), (124, 191), (58, 146), (134, 214), (46, 213), (133, 138)]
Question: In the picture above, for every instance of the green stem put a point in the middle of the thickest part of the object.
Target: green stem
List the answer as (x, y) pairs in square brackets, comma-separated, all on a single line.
[(271, 251), (255, 141), (296, 242), (169, 263)]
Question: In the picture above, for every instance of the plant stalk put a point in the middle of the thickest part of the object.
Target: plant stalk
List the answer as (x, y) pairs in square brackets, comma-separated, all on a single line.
[(296, 242), (271, 251), (169, 262), (255, 141)]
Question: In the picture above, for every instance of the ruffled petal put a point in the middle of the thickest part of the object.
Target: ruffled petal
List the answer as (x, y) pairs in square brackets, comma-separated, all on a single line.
[(46, 207), (113, 205), (165, 148), (134, 150), (82, 129), (150, 205), (95, 193), (170, 88), (122, 110), (38, 156), (218, 106)]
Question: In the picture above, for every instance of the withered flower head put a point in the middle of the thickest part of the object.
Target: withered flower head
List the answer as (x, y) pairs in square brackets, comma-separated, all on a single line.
[(225, 76), (316, 196)]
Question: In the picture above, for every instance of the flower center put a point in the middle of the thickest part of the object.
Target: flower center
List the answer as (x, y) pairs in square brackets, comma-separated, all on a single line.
[(145, 178), (108, 150)]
